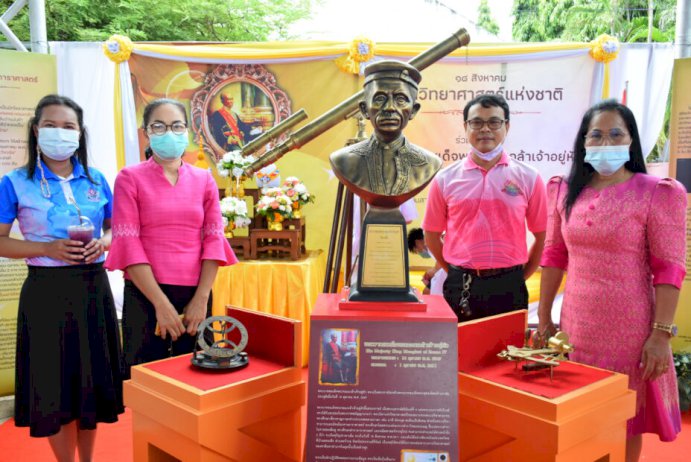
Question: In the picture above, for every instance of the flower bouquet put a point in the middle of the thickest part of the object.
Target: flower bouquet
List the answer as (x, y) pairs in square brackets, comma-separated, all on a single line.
[(234, 211), (298, 194), (275, 206), (233, 164)]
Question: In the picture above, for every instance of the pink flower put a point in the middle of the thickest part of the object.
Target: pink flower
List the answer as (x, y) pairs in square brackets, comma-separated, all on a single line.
[(274, 205)]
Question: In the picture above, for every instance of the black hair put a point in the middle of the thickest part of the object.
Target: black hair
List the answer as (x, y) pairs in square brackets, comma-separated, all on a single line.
[(146, 117), (56, 100), (487, 101), (415, 234), (581, 173)]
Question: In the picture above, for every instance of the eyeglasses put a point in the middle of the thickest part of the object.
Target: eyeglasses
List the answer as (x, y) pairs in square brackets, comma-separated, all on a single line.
[(158, 128), (493, 123), (615, 137)]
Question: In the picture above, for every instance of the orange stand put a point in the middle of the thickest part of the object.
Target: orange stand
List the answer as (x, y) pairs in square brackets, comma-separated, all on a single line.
[(181, 413), (507, 414)]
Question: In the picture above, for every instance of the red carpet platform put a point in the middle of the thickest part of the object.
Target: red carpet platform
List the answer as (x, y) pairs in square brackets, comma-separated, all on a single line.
[(114, 443)]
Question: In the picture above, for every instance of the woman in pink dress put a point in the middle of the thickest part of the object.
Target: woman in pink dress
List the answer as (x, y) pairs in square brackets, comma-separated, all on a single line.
[(620, 234), (168, 238)]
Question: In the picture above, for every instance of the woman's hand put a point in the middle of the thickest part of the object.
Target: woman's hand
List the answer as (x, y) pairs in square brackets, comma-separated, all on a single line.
[(66, 250), (545, 329), (655, 359), (195, 313), (169, 322), (93, 250)]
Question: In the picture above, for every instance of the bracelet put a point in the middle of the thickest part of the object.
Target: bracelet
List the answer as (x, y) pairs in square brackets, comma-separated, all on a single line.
[(671, 329)]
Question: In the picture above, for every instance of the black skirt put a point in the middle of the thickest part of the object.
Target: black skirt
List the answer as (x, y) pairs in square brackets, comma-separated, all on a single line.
[(69, 362), (141, 344)]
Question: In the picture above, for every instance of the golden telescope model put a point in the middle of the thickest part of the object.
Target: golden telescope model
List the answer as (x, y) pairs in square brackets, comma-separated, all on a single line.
[(348, 107)]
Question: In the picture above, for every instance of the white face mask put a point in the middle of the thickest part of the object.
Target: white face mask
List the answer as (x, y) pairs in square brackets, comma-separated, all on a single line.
[(488, 156), (58, 143), (607, 159)]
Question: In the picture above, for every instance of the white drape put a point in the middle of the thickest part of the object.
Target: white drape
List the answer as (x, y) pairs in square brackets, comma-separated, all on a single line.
[(648, 70), (87, 76)]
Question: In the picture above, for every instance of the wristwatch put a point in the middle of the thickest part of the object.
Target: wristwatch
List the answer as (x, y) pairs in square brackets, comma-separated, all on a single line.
[(671, 329)]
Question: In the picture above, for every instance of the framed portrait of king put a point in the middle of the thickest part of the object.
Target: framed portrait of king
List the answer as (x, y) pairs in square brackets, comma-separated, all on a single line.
[(236, 104)]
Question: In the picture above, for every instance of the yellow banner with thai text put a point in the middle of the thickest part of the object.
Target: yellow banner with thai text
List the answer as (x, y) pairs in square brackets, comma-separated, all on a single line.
[(680, 168), (24, 79)]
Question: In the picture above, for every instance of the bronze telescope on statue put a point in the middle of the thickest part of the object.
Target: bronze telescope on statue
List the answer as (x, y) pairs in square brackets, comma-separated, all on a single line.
[(349, 107)]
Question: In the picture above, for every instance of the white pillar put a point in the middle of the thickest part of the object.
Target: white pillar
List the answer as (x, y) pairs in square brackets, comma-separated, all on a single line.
[(37, 20), (683, 33)]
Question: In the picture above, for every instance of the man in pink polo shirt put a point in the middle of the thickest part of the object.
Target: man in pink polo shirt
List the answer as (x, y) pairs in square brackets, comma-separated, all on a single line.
[(483, 203)]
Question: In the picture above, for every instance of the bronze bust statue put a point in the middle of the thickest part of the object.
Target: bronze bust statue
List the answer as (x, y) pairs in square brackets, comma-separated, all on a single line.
[(387, 170)]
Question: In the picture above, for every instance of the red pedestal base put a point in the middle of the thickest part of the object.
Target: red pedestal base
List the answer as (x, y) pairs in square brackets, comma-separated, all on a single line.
[(345, 304), (506, 414)]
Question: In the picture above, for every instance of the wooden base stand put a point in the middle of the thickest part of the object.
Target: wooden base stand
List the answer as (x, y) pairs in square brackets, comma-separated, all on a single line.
[(240, 245), (292, 241)]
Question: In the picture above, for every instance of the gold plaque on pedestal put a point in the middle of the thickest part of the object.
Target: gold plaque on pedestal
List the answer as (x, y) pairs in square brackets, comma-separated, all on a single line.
[(383, 263), (383, 260)]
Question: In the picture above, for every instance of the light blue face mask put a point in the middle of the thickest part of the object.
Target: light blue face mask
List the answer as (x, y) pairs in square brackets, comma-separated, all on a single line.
[(58, 143), (425, 254), (169, 146), (607, 159)]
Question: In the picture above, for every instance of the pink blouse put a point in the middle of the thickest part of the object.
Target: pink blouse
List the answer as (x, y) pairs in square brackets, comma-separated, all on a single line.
[(653, 215), (170, 227)]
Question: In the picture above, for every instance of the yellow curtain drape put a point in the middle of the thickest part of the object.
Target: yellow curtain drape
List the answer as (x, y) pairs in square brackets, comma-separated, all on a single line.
[(314, 49), (119, 132), (282, 287)]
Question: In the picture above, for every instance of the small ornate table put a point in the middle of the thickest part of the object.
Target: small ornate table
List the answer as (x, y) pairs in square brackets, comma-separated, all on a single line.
[(288, 240)]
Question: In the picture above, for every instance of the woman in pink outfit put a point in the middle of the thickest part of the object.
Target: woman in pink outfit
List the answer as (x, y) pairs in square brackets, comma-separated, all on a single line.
[(620, 235), (168, 238)]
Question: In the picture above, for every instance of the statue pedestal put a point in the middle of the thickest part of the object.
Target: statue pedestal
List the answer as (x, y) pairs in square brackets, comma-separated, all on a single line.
[(382, 384), (345, 303)]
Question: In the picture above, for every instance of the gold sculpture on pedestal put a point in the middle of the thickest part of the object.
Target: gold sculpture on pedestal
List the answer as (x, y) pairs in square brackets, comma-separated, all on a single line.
[(384, 171), (387, 170)]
